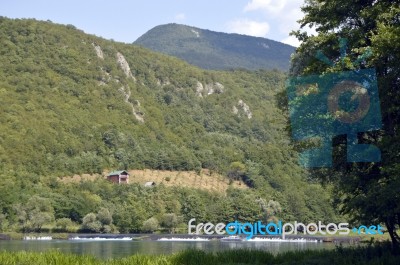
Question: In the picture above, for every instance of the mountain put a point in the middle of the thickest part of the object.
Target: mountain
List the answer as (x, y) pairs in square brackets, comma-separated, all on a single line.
[(71, 102), (215, 50), (74, 103)]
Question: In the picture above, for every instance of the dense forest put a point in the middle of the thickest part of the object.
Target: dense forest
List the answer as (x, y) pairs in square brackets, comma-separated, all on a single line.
[(74, 103)]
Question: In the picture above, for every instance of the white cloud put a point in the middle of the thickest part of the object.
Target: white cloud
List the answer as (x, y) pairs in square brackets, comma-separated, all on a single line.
[(249, 27), (272, 6), (288, 20), (291, 40), (282, 16), (180, 16)]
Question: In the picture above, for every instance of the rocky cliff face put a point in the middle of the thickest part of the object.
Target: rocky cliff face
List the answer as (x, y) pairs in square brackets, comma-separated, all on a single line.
[(124, 90), (242, 108), (209, 89)]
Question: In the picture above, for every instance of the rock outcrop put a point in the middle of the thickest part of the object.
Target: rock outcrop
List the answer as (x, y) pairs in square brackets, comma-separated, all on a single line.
[(209, 89), (99, 51), (127, 95), (242, 107), (124, 66)]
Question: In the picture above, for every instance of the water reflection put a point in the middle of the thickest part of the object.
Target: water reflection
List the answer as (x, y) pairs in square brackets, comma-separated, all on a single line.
[(118, 249)]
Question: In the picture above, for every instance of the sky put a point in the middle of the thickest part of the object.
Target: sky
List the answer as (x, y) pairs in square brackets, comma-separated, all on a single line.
[(125, 21)]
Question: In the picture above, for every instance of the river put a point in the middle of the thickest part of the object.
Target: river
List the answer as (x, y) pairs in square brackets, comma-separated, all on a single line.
[(105, 249)]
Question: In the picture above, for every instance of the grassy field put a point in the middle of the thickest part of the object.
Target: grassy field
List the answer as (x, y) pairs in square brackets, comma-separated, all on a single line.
[(190, 179), (341, 256)]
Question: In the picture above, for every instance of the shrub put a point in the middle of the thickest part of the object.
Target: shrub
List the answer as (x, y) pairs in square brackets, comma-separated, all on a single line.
[(150, 225)]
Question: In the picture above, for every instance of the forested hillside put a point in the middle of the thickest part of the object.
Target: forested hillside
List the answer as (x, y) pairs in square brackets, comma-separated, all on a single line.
[(73, 103), (217, 50)]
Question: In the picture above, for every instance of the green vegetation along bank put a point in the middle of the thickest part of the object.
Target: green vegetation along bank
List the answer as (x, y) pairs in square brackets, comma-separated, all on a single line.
[(377, 255)]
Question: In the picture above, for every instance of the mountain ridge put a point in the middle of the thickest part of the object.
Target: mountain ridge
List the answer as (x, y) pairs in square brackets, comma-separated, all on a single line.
[(73, 103), (217, 50)]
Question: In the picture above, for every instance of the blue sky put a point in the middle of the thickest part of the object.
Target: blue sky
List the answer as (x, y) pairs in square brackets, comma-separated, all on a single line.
[(125, 21)]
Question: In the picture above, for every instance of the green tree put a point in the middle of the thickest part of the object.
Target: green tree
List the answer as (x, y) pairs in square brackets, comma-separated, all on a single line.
[(37, 219), (193, 206), (150, 225), (369, 192), (91, 224), (100, 222), (236, 171), (270, 210), (104, 216), (170, 221), (129, 217), (3, 222), (63, 224), (34, 214)]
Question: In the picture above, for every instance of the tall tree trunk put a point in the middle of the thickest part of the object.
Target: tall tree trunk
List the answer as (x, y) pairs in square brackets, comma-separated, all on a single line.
[(391, 227)]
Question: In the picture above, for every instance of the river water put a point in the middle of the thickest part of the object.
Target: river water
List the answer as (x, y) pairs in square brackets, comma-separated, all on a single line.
[(106, 249)]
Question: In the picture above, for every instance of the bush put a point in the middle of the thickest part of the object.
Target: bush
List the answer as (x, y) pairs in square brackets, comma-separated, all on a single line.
[(150, 225), (91, 224), (63, 223), (170, 221)]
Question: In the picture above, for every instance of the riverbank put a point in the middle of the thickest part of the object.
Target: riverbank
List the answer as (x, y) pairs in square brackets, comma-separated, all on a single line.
[(154, 237), (368, 255)]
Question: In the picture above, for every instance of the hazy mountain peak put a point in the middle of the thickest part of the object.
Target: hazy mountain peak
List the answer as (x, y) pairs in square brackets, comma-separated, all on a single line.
[(216, 50)]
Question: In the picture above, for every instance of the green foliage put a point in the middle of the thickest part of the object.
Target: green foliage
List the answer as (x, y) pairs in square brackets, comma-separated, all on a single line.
[(368, 192), (3, 222), (216, 50), (63, 113), (102, 222), (91, 224), (150, 225), (34, 214), (59, 119), (170, 221), (63, 224), (104, 216), (270, 210), (339, 256)]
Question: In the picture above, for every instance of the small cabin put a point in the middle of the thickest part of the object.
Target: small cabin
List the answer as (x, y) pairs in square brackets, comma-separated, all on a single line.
[(118, 177)]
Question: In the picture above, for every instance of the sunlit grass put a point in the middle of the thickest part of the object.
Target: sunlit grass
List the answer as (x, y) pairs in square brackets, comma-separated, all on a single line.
[(344, 256)]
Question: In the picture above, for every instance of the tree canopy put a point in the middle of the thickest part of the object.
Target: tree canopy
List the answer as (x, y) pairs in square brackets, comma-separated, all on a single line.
[(369, 192)]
